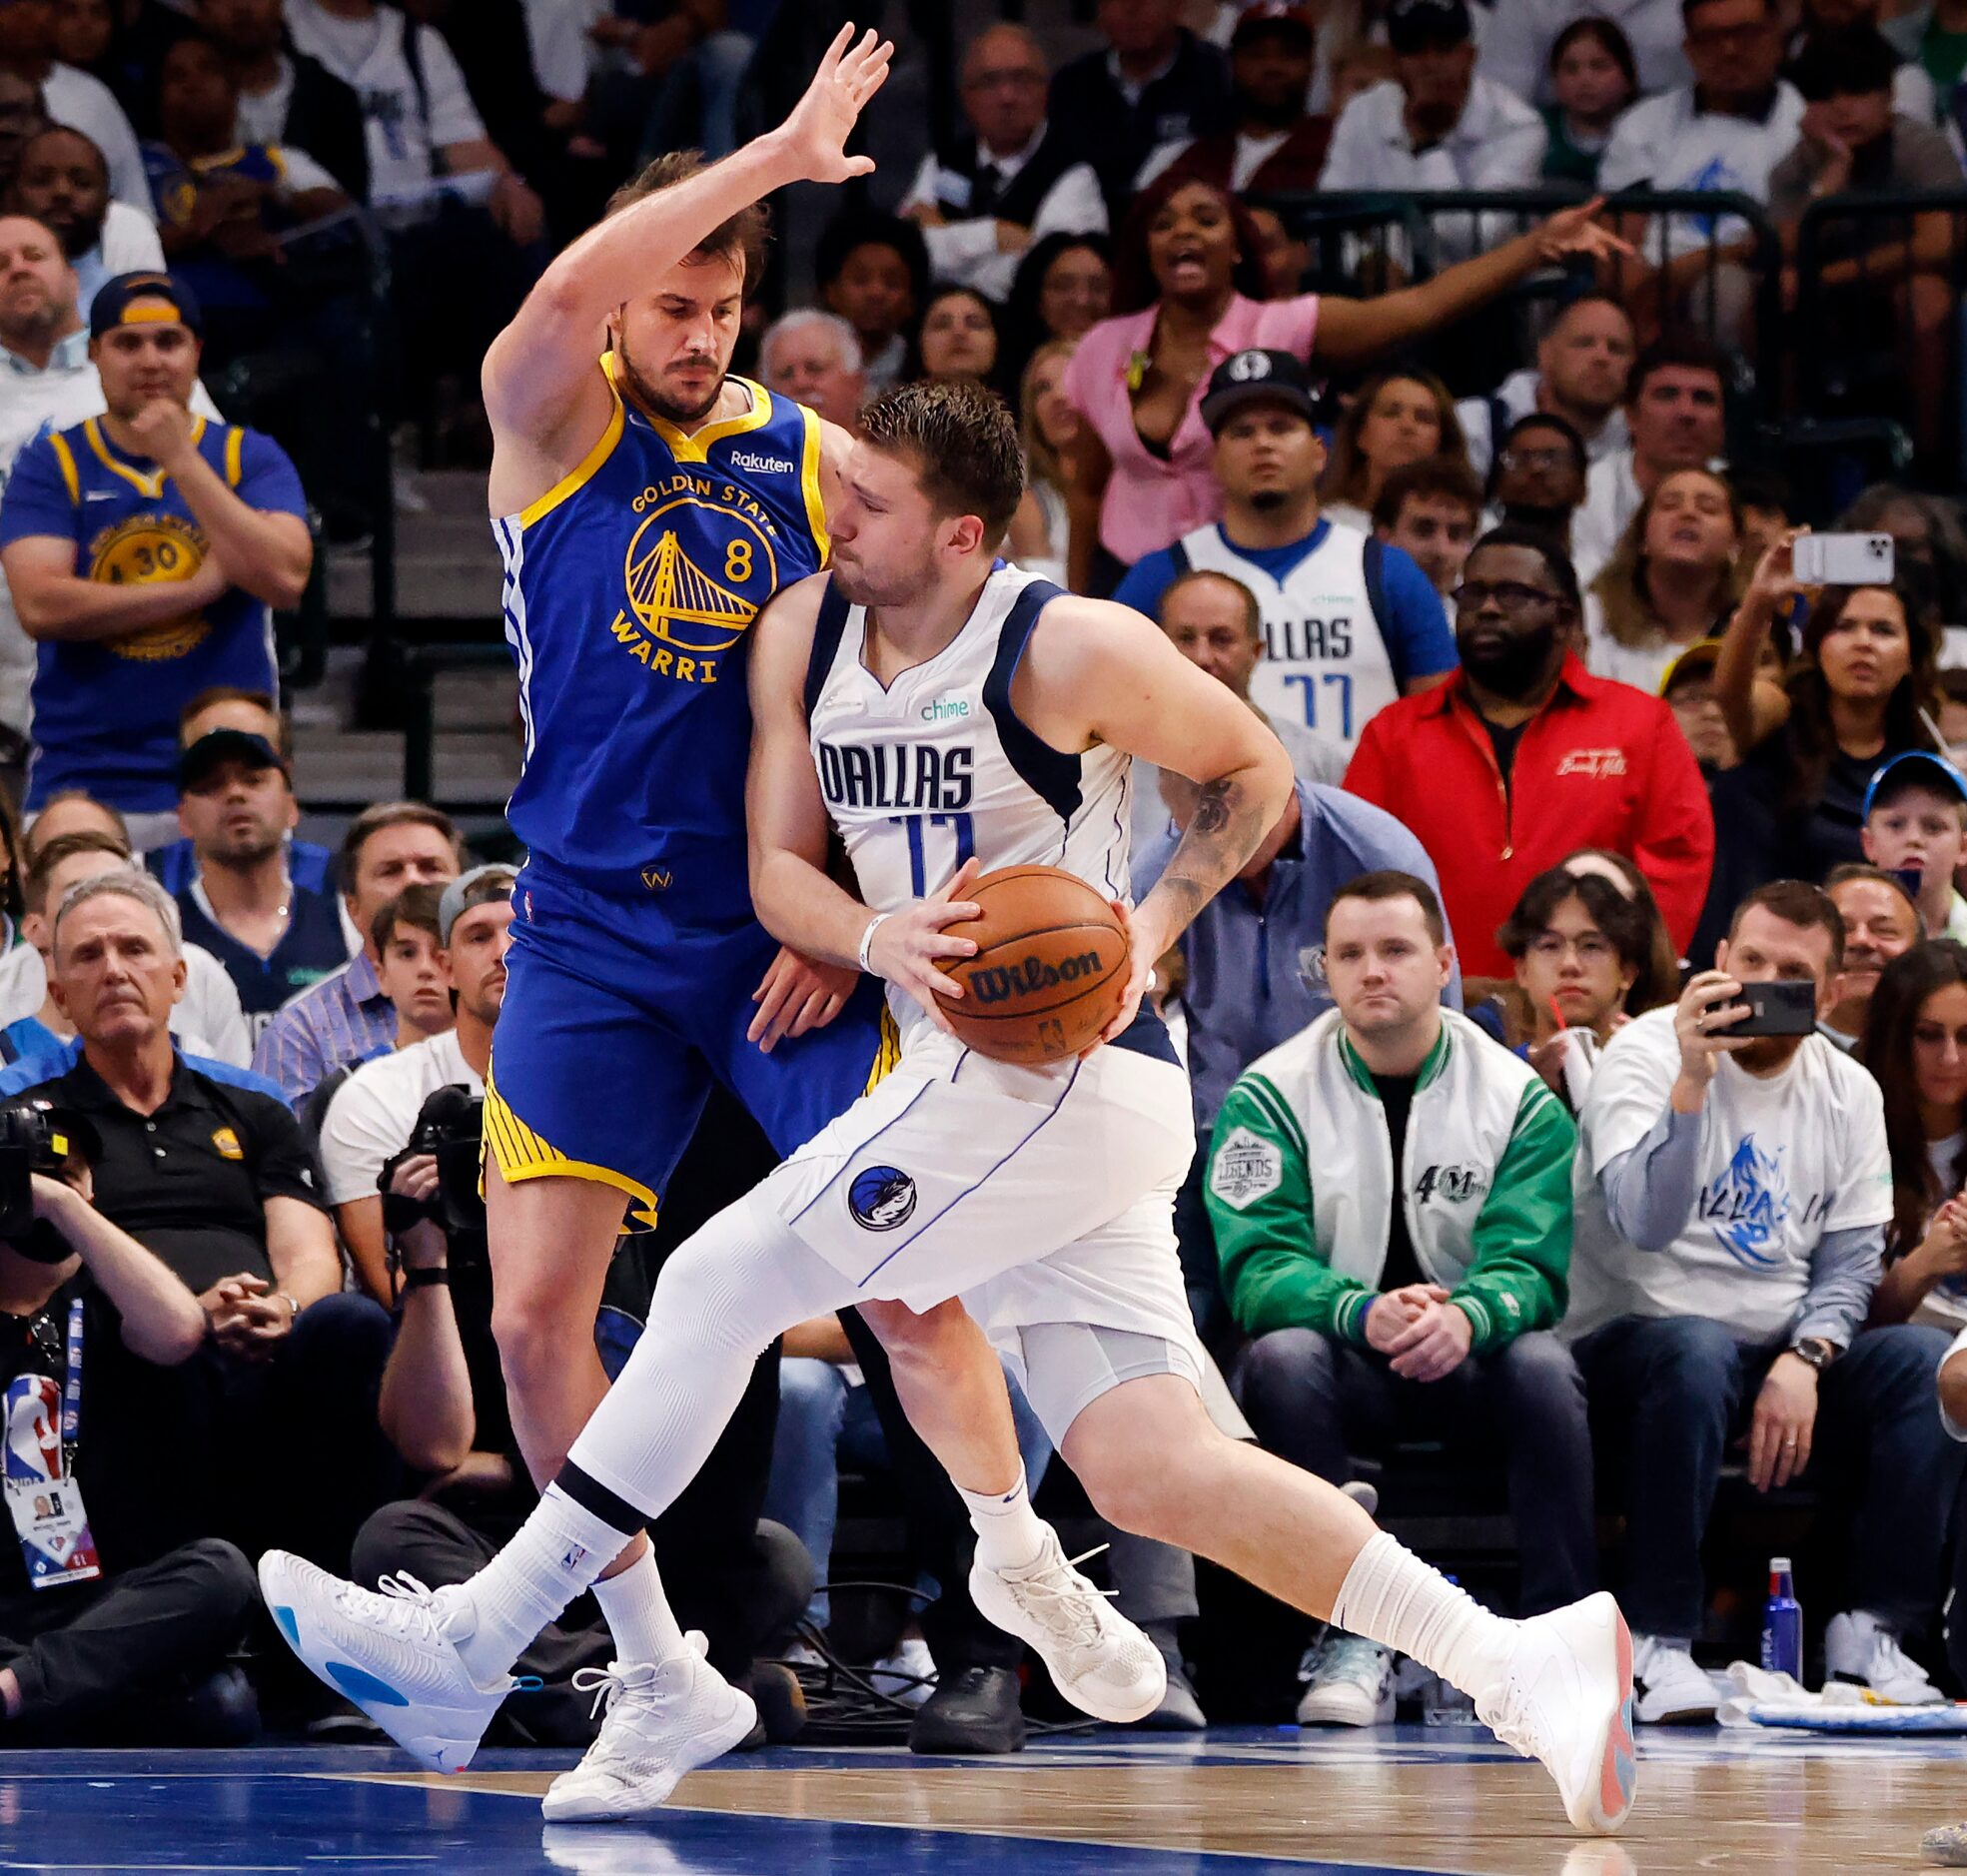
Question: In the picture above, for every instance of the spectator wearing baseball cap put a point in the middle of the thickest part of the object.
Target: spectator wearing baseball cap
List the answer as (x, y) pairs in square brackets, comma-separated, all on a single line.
[(1277, 143), (371, 1117), (1915, 821), (145, 551), (1436, 124), (1349, 624), (275, 938)]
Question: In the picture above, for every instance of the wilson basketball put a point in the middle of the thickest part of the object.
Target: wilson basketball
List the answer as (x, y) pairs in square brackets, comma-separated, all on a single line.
[(1050, 968)]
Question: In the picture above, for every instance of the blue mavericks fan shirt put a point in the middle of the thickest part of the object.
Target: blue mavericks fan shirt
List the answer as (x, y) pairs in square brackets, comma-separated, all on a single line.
[(106, 712)]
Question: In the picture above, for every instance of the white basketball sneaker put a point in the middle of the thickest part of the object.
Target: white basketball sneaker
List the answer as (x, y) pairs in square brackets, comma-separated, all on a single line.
[(1101, 1661), (663, 1719), (392, 1652), (1564, 1696)]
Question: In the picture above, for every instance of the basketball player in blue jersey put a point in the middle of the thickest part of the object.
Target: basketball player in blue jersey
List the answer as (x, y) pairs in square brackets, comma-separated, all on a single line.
[(646, 504), (1000, 717)]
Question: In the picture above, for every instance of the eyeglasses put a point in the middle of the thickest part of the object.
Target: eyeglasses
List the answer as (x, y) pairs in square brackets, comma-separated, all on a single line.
[(1513, 596), (1516, 457), (1551, 947)]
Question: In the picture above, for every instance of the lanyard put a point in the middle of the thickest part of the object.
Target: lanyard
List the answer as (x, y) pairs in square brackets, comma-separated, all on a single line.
[(72, 1386)]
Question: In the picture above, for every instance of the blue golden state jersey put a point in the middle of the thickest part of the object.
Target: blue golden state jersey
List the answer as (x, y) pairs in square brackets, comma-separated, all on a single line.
[(106, 709), (629, 590)]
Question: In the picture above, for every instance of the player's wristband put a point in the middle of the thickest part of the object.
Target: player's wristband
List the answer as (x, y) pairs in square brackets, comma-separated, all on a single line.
[(433, 1277), (867, 939)]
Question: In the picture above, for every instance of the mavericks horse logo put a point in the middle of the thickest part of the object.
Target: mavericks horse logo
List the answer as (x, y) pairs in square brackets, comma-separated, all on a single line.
[(881, 1198)]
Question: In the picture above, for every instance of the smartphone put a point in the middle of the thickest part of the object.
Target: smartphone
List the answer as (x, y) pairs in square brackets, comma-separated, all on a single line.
[(1782, 1008), (1843, 560)]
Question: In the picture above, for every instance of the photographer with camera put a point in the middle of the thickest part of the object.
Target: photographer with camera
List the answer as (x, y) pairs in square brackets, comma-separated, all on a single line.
[(376, 1110), (116, 1620), (1730, 1236), (215, 1179)]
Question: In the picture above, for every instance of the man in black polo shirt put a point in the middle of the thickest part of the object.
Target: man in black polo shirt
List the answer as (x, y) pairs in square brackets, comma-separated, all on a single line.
[(215, 1178), (242, 903), (118, 1636)]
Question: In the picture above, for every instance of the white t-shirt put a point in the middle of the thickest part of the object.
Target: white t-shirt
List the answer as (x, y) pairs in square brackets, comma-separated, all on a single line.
[(86, 104), (1642, 666), (1517, 394), (262, 114), (369, 54), (1783, 1161), (374, 1111), (556, 34), (1665, 143), (208, 1020), (1497, 142)]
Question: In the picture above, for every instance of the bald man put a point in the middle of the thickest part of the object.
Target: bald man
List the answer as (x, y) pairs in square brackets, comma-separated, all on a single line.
[(988, 191)]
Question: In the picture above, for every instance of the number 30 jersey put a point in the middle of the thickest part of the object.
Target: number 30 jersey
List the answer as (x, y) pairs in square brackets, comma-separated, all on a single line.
[(937, 766), (629, 593)]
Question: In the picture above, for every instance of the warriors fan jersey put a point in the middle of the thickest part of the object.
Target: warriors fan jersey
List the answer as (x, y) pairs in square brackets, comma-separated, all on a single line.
[(924, 773), (629, 590)]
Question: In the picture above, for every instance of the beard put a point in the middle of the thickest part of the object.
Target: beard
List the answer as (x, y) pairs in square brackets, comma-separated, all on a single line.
[(1547, 520), (1269, 500), (245, 848), (659, 403), (863, 584), (1513, 668)]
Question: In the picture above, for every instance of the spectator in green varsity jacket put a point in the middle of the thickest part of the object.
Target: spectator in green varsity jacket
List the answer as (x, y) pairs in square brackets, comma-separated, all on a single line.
[(1404, 1275)]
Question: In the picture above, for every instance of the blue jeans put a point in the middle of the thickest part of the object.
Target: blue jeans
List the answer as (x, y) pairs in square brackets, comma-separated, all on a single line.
[(1669, 1392), (826, 1423)]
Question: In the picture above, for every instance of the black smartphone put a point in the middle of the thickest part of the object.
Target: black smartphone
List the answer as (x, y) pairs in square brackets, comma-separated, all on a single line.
[(1777, 1009)]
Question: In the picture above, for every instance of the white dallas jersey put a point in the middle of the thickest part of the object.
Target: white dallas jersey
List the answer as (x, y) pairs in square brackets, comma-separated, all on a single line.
[(1325, 663), (937, 767)]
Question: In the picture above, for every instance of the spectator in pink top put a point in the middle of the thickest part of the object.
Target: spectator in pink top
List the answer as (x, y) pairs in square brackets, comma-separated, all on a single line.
[(1191, 292)]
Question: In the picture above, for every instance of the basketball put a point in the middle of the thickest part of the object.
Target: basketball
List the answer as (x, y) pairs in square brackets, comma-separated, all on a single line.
[(1050, 968)]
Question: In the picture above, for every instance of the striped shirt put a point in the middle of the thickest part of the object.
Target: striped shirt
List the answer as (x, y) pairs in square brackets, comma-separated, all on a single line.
[(345, 1018)]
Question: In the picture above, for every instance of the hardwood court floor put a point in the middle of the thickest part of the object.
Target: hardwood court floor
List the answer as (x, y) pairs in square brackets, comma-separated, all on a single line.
[(1232, 1803)]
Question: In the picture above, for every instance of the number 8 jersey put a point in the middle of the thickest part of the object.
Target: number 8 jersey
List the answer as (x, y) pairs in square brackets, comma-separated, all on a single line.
[(922, 774)]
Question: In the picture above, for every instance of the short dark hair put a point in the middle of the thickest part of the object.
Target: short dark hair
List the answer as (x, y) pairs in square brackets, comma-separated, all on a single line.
[(1763, 488), (1557, 563), (1686, 352), (1545, 420), (1853, 870), (865, 228), (1797, 902), (372, 820), (1253, 609), (1387, 883), (1688, 8), (415, 906), (963, 441), (1440, 478), (1626, 922), (1845, 62), (66, 847), (742, 238)]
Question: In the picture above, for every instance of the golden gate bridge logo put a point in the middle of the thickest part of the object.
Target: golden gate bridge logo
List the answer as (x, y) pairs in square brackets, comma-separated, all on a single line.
[(689, 606)]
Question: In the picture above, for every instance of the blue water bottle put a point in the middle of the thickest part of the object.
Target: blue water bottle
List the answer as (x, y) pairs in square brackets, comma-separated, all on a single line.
[(1782, 1623)]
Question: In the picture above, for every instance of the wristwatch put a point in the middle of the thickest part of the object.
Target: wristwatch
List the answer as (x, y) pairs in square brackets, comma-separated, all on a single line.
[(1818, 1350)]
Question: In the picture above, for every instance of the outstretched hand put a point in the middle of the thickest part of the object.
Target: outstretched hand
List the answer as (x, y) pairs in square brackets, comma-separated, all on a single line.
[(1578, 231), (821, 121)]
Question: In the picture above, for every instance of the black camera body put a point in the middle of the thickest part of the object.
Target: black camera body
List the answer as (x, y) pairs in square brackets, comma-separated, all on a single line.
[(451, 1129), (38, 1136)]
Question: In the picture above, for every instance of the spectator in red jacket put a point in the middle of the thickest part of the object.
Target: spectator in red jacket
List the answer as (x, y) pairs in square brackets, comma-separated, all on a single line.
[(1523, 756)]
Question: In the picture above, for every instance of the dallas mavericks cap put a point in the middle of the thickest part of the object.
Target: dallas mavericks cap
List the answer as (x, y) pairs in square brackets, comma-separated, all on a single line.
[(457, 899), (1916, 765), (1257, 376), (1272, 19), (1416, 24), (133, 300), (219, 746)]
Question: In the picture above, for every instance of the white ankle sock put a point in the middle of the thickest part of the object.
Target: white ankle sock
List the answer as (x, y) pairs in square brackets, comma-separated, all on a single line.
[(637, 1612), (1010, 1533), (555, 1554), (1394, 1599)]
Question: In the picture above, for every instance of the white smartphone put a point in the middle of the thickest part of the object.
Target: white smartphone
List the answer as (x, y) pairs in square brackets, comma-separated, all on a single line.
[(1842, 559)]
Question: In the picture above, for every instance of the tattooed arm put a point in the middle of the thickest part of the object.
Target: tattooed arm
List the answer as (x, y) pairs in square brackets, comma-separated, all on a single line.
[(1095, 673)]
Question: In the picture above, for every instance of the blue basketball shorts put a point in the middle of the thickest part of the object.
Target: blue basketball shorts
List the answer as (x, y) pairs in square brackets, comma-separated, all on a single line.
[(617, 1017)]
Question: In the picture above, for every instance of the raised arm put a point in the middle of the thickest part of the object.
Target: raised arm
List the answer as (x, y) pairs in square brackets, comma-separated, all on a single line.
[(1755, 707), (1349, 331), (539, 379)]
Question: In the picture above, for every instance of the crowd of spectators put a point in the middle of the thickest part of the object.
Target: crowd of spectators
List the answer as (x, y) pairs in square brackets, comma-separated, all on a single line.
[(1480, 509)]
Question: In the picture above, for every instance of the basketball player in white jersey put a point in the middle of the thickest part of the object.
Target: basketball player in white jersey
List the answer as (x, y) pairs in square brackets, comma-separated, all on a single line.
[(944, 714)]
